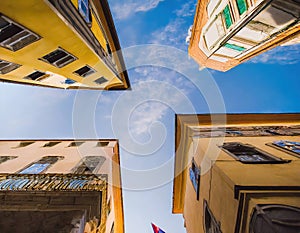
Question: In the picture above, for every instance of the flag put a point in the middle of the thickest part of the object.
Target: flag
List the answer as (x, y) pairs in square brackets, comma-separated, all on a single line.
[(156, 229)]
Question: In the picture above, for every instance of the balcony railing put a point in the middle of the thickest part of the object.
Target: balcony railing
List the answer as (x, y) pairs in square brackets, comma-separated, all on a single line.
[(52, 182)]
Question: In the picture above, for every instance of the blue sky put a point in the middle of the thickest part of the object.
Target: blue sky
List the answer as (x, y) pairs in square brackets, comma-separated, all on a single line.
[(164, 82)]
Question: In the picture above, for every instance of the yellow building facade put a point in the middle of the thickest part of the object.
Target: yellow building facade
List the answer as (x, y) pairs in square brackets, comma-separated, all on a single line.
[(60, 43), (228, 32), (238, 173), (60, 186)]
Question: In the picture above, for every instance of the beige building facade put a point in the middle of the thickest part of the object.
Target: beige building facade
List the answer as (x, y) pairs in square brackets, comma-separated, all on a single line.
[(60, 186), (66, 44), (228, 32), (238, 173)]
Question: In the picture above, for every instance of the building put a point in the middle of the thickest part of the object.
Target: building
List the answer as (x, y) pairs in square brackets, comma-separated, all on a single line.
[(227, 33), (60, 186), (238, 173), (58, 43)]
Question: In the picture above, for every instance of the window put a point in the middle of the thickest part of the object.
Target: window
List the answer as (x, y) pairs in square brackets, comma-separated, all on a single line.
[(210, 223), (37, 76), (6, 67), (59, 58), (14, 36), (73, 144), (50, 144), (89, 164), (85, 71), (108, 49), (23, 144), (288, 146), (100, 80), (84, 10), (212, 5), (227, 16), (41, 165), (69, 81), (275, 218), (215, 31), (194, 172), (246, 153), (108, 207), (112, 230), (6, 158), (242, 6), (102, 144)]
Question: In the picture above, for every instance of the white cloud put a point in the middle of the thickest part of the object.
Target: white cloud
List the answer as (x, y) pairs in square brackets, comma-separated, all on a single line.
[(173, 34), (163, 80), (145, 115), (146, 6), (171, 94), (150, 99), (128, 8), (176, 31), (149, 74), (187, 9), (282, 55)]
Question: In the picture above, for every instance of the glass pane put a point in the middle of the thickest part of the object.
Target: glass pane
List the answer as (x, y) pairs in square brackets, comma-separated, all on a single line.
[(3, 23), (256, 158), (210, 223), (89, 164), (100, 80), (242, 6), (35, 168), (69, 81), (195, 176), (227, 17), (84, 10), (289, 145), (234, 47)]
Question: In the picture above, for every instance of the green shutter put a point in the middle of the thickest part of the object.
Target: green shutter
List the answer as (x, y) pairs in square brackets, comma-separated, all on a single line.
[(242, 6), (227, 17), (234, 47)]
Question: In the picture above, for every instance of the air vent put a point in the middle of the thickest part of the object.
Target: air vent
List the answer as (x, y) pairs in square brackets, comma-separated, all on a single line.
[(37, 76), (14, 36), (100, 80), (85, 71), (59, 58), (6, 67)]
